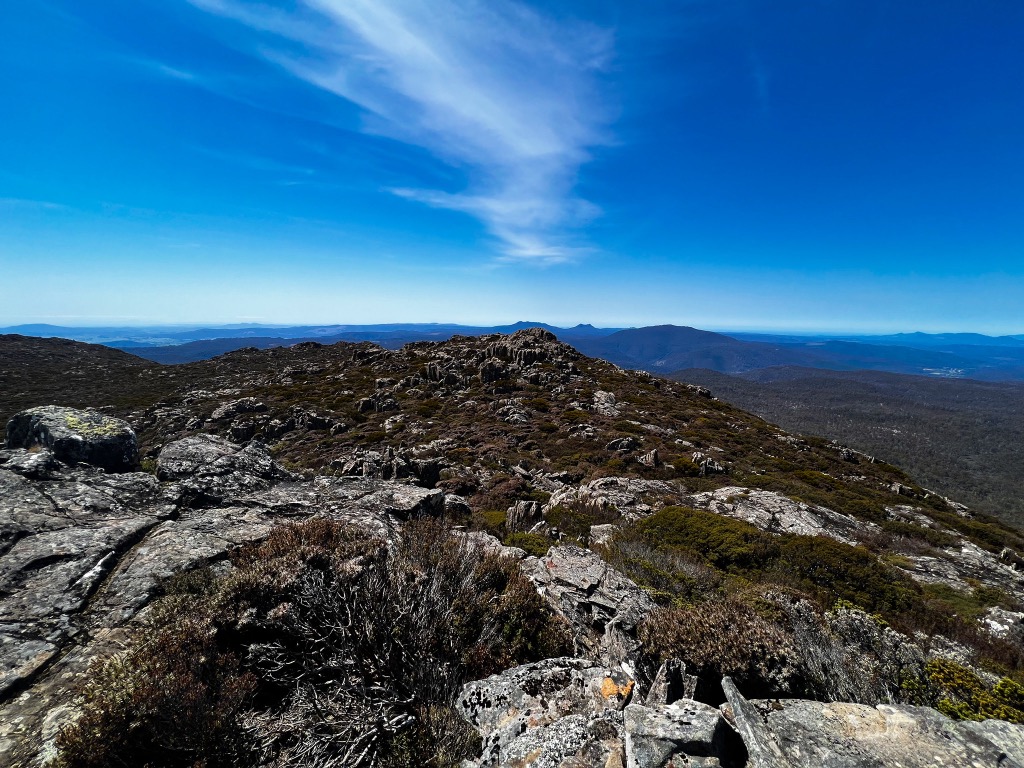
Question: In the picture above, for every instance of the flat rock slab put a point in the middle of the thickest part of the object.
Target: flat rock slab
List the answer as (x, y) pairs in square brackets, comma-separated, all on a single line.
[(796, 733), (840, 735), (63, 535)]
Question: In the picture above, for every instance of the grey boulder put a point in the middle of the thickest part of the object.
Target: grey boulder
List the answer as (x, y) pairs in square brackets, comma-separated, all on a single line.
[(797, 733), (75, 436)]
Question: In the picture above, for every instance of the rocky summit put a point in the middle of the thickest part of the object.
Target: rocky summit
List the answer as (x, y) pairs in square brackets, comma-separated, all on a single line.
[(488, 552)]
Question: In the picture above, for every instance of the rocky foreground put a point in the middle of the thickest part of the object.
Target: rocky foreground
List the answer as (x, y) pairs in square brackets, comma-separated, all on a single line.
[(85, 551)]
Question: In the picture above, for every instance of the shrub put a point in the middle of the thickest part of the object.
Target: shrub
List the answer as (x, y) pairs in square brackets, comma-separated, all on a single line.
[(960, 694), (490, 520), (538, 404), (428, 408), (724, 637), (666, 574), (172, 701), (574, 416), (322, 646), (686, 466), (534, 543), (575, 519), (931, 536), (820, 566)]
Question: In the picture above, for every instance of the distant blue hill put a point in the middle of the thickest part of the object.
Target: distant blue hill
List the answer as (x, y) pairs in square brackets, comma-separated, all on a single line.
[(659, 349), (668, 348)]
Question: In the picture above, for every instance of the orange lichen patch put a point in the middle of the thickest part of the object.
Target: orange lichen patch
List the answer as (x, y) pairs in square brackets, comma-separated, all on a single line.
[(610, 688)]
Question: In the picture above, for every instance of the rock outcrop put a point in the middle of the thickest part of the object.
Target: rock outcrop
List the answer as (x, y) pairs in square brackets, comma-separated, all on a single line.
[(776, 513), (797, 733), (630, 498), (602, 606), (84, 552), (685, 732), (549, 711), (578, 712)]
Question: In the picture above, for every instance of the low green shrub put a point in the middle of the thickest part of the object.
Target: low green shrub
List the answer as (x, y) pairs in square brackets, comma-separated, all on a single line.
[(534, 543), (575, 519), (490, 520), (819, 566)]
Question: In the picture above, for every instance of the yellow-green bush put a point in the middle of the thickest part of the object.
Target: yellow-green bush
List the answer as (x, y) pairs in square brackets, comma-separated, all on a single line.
[(959, 693), (534, 543)]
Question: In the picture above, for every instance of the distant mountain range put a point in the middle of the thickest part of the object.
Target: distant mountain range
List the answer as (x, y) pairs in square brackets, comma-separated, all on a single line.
[(660, 349), (166, 335), (667, 348)]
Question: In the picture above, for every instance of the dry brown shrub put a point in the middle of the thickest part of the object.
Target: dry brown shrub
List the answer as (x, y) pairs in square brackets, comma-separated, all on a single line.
[(724, 637), (324, 647)]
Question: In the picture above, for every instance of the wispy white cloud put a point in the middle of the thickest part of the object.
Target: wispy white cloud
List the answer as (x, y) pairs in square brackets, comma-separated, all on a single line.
[(35, 205), (508, 95), (255, 162)]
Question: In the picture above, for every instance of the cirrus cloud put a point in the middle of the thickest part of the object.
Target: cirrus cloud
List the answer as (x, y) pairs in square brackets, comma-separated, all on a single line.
[(508, 95)]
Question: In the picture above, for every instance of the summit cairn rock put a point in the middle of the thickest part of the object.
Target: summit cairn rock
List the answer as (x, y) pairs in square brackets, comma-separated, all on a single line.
[(75, 436)]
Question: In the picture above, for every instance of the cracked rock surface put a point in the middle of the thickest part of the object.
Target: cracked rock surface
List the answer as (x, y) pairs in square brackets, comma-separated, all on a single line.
[(83, 552)]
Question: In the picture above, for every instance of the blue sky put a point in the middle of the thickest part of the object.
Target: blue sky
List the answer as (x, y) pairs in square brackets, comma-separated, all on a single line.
[(849, 165)]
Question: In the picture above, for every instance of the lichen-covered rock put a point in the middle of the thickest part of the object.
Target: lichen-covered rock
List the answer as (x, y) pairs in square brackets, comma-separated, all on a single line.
[(556, 709), (575, 712), (35, 464), (1006, 624), (632, 498), (849, 655), (236, 407), (662, 735), (211, 469), (522, 515), (602, 606), (605, 404), (813, 733), (76, 436), (796, 733), (575, 740), (671, 683), (775, 513), (960, 565)]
